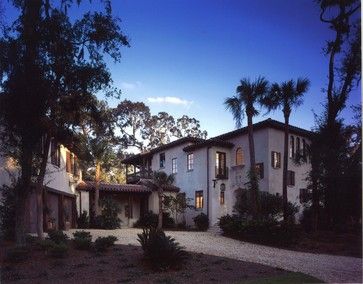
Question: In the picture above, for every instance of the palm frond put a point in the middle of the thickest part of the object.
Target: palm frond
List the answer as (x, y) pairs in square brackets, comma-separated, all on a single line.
[(233, 104)]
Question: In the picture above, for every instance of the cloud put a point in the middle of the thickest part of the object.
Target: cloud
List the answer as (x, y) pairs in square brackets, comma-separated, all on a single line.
[(169, 100), (129, 86)]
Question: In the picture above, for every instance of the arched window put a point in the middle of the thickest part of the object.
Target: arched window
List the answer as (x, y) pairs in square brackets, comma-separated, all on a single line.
[(304, 148), (221, 194), (239, 157), (297, 146), (292, 147)]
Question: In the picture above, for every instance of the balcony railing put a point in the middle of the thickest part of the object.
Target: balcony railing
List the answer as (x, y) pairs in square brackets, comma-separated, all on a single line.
[(136, 176), (221, 172)]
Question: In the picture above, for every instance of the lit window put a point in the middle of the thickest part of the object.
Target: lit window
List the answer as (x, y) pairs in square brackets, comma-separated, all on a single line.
[(292, 147), (174, 167), (199, 199), (190, 162), (275, 160), (69, 162), (290, 178), (259, 170), (239, 157), (162, 160), (221, 194)]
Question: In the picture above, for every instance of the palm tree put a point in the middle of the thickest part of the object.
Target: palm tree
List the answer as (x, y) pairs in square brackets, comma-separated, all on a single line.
[(286, 96), (244, 102), (160, 181)]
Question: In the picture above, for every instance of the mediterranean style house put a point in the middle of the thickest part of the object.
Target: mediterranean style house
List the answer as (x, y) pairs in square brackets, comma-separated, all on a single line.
[(212, 171), (60, 197)]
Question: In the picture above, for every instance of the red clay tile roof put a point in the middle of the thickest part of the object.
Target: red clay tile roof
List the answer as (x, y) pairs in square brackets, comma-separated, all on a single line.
[(114, 187)]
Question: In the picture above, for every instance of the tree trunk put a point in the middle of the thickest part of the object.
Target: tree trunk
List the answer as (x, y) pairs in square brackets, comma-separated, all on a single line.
[(285, 167), (40, 187), (97, 188), (22, 193), (160, 219), (254, 185)]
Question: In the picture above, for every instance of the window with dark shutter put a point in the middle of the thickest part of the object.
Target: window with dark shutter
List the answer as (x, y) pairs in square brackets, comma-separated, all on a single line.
[(162, 160), (290, 178)]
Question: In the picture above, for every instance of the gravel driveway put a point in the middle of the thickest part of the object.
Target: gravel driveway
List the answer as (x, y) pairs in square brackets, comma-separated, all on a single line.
[(325, 267)]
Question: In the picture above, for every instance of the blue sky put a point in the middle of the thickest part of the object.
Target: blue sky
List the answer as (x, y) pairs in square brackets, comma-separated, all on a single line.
[(187, 56)]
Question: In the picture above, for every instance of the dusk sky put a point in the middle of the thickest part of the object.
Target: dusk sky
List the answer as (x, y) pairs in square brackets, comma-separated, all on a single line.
[(186, 57)]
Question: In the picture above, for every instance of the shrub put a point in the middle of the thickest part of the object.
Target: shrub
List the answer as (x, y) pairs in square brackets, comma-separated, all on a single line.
[(168, 222), (17, 254), (83, 220), (201, 221), (58, 250), (57, 236), (151, 219), (82, 240), (108, 219), (103, 243), (45, 244), (31, 240), (162, 251), (7, 212), (266, 231)]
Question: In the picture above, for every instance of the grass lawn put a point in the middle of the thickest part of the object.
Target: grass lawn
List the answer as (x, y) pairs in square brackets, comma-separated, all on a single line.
[(125, 264)]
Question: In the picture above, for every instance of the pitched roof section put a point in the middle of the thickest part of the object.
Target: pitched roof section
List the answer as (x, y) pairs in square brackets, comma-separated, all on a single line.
[(141, 187), (138, 157), (113, 187), (268, 123), (209, 142)]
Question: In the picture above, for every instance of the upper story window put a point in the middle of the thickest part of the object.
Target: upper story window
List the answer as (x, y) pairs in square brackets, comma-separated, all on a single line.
[(54, 153), (190, 161), (292, 147), (290, 178), (174, 166), (76, 166), (162, 160), (199, 199), (221, 169), (69, 162), (275, 160), (297, 146), (260, 170), (304, 148), (239, 157)]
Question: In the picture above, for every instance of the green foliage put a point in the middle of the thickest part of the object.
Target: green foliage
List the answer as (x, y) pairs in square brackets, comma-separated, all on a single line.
[(103, 243), (82, 240), (83, 220), (201, 221), (270, 206), (7, 212), (176, 204), (45, 245), (150, 219), (17, 254), (161, 251), (58, 250), (108, 219), (265, 231), (58, 237)]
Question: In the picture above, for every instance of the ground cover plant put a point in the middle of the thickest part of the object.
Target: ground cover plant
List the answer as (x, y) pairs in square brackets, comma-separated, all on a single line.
[(124, 264)]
